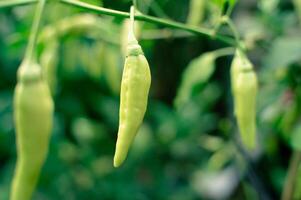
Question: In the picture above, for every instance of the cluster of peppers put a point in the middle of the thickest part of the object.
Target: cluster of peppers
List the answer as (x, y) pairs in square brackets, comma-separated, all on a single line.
[(33, 110)]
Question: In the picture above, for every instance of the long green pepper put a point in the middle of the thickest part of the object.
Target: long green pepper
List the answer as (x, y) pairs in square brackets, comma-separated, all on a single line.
[(135, 85), (244, 89), (33, 110)]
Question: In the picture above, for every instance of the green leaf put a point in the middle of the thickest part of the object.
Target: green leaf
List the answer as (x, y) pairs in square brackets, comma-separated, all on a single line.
[(232, 3), (219, 3), (197, 73), (269, 6), (284, 51)]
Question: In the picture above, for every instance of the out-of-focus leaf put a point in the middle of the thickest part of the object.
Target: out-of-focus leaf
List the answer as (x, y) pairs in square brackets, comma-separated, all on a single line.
[(87, 131), (288, 119), (197, 73), (83, 178), (91, 58), (208, 97), (232, 2), (112, 67), (210, 143), (219, 3), (268, 6), (297, 193), (296, 138), (71, 68), (271, 112), (215, 185), (284, 51), (250, 191), (68, 152), (102, 166), (142, 142), (297, 5), (220, 158)]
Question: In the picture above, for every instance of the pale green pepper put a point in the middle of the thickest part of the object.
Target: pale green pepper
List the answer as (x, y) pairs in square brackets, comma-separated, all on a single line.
[(33, 110), (244, 88), (135, 85)]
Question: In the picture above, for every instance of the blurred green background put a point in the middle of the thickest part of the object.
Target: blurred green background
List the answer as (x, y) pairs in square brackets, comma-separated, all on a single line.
[(183, 151)]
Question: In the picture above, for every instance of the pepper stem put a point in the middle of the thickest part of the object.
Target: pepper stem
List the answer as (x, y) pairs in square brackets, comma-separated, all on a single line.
[(131, 36), (30, 49)]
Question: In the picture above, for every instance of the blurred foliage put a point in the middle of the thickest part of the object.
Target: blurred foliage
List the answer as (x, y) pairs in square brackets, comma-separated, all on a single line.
[(188, 152)]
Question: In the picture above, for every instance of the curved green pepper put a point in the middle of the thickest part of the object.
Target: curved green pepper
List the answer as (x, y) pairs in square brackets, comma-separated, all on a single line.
[(33, 110), (135, 85)]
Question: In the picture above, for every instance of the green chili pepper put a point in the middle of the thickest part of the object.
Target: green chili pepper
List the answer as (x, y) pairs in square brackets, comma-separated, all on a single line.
[(49, 61), (88, 55), (135, 85), (112, 61), (196, 12), (33, 110), (197, 73), (245, 93)]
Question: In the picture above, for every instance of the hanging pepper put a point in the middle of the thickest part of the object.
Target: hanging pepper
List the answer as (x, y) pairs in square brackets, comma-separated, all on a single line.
[(135, 85), (33, 110), (244, 88)]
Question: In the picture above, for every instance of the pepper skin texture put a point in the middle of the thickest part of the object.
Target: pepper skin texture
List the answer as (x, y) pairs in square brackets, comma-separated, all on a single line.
[(135, 85), (33, 112)]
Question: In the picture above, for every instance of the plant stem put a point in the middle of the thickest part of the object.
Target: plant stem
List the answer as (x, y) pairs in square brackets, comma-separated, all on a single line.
[(289, 187), (156, 34), (135, 4), (155, 7), (30, 49), (74, 25), (224, 52), (131, 35), (147, 18), (229, 22), (9, 3), (138, 16)]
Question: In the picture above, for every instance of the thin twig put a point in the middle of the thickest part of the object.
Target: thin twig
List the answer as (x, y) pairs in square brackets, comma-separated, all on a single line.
[(155, 7), (224, 52), (147, 18), (138, 16), (30, 49), (254, 178), (155, 34), (289, 187), (9, 3)]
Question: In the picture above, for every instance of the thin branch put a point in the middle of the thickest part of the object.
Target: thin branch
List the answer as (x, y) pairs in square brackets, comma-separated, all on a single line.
[(10, 3), (289, 187), (147, 18), (30, 49), (138, 16), (224, 52), (229, 22), (135, 4), (251, 173), (155, 7), (155, 34)]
